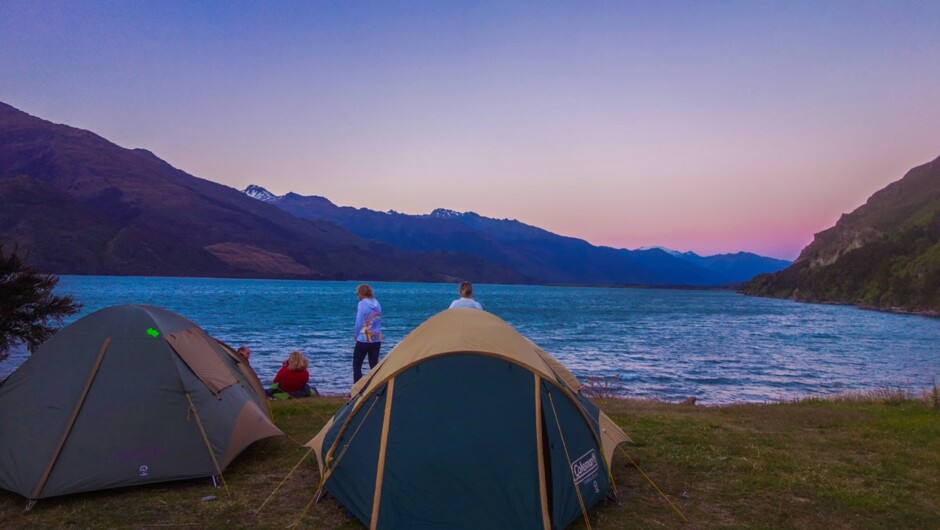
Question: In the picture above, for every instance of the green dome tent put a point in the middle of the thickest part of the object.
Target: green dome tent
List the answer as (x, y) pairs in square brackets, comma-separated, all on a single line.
[(128, 395), (467, 424)]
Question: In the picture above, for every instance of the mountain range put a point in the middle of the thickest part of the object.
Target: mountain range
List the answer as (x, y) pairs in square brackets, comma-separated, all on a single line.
[(883, 255), (76, 203), (548, 257)]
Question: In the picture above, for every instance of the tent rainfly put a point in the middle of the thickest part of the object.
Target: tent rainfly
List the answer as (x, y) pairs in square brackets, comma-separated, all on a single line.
[(467, 424), (128, 395)]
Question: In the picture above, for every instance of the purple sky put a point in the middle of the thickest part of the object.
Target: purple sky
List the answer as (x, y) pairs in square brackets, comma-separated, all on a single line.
[(705, 126)]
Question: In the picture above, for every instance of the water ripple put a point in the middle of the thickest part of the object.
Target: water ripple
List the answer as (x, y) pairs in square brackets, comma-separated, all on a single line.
[(719, 346)]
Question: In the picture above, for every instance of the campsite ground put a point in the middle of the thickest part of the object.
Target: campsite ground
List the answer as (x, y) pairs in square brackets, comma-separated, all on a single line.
[(862, 462)]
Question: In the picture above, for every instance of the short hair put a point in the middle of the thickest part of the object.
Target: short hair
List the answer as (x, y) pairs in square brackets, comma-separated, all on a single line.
[(296, 361), (365, 290), (244, 351), (466, 289)]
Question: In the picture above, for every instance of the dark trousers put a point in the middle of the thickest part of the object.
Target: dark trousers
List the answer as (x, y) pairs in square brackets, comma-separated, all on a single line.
[(359, 354)]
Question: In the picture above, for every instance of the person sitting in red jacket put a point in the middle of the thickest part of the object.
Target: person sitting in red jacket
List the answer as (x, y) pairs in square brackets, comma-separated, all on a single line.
[(293, 377)]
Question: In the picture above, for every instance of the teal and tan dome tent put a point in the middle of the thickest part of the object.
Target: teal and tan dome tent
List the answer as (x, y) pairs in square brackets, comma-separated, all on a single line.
[(128, 395), (467, 424)]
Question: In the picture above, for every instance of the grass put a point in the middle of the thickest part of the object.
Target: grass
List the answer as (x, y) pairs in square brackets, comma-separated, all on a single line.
[(853, 462)]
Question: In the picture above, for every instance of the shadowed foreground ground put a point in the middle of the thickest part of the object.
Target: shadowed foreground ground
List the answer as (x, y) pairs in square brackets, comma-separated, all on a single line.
[(813, 464)]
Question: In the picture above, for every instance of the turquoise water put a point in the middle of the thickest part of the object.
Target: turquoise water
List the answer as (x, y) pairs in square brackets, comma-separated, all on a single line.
[(668, 344)]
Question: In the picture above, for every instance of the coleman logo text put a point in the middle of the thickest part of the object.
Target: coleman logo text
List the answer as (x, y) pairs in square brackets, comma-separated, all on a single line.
[(584, 467)]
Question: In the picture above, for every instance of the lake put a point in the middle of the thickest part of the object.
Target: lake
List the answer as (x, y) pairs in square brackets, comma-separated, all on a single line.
[(719, 346)]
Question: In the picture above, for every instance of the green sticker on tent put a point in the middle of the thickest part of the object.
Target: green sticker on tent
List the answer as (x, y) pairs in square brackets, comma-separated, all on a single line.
[(153, 333)]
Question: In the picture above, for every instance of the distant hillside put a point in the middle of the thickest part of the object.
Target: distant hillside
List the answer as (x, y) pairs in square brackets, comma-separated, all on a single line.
[(543, 255), (739, 267), (79, 204), (885, 254), (76, 203)]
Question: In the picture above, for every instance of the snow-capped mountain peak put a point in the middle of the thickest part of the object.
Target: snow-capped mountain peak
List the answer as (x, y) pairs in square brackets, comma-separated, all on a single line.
[(671, 252), (443, 213), (257, 192)]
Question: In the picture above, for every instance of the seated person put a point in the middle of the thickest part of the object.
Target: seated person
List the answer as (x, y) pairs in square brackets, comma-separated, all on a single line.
[(292, 378)]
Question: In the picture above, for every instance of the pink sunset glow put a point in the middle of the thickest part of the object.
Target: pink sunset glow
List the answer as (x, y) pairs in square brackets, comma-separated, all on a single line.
[(706, 127)]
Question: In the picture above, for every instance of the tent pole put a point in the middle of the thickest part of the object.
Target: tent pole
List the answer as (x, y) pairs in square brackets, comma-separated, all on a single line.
[(71, 423), (543, 493), (577, 489), (328, 456), (610, 472), (383, 444), (208, 445)]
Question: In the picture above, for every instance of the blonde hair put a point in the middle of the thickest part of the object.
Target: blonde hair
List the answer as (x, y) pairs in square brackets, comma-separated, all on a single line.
[(296, 361), (365, 290)]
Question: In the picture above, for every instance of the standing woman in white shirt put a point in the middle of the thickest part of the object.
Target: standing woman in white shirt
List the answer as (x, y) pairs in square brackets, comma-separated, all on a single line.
[(368, 330), (466, 297)]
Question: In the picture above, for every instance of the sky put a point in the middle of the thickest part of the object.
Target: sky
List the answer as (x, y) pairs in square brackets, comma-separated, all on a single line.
[(711, 126)]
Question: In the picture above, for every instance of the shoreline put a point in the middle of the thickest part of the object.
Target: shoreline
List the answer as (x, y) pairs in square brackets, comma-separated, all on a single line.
[(930, 313), (732, 287), (671, 287)]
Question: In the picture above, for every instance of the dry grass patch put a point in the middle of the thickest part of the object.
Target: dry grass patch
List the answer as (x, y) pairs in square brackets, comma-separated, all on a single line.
[(932, 396), (812, 464)]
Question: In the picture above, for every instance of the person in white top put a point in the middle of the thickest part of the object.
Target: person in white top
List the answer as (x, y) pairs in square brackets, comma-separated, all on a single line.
[(466, 297)]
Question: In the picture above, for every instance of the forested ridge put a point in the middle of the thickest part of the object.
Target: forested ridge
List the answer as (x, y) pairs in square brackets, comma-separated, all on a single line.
[(884, 255)]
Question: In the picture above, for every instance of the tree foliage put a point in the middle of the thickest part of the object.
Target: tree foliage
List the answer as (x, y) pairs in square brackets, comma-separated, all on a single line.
[(901, 270), (27, 304)]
